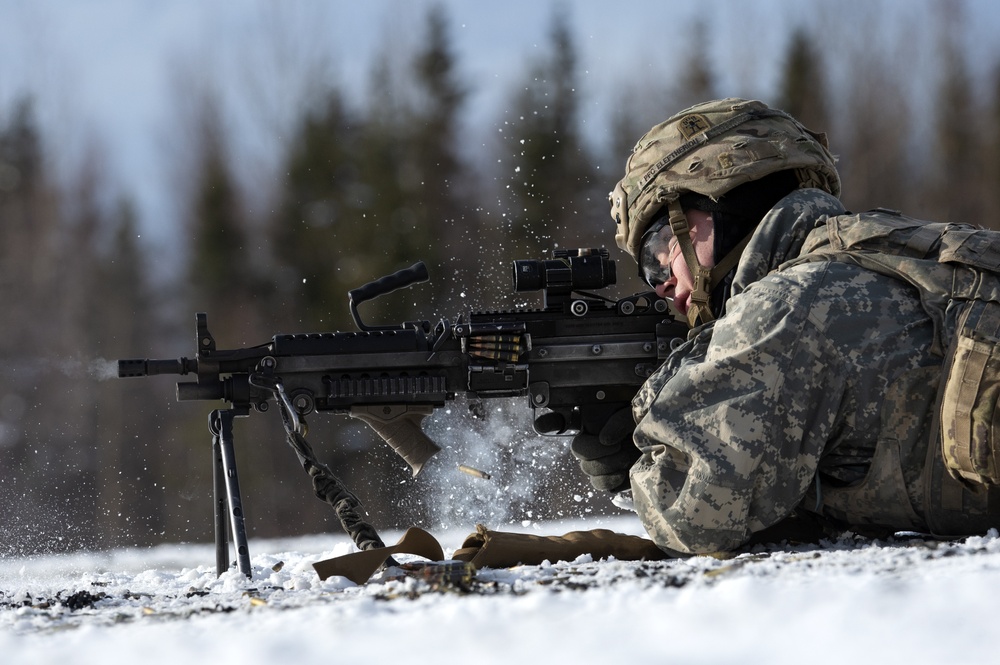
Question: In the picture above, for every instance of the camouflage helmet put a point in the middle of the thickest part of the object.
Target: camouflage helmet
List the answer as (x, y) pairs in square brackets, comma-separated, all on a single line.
[(709, 149)]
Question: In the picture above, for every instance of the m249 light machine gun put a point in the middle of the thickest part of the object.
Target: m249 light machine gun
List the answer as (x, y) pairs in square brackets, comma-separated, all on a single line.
[(579, 351)]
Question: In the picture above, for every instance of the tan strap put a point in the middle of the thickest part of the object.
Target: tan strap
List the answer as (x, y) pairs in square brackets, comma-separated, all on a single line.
[(498, 549), (360, 566), (705, 279), (702, 276), (495, 549)]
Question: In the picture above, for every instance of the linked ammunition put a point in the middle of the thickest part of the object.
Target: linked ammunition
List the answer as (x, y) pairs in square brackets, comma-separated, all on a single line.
[(442, 574)]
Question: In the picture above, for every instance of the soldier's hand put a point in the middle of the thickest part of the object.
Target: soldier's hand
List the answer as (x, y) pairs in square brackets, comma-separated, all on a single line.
[(604, 447)]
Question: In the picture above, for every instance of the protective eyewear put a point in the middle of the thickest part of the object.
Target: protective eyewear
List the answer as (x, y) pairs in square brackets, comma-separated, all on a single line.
[(657, 241)]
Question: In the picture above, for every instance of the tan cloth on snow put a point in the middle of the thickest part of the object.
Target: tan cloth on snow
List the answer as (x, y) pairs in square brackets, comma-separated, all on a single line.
[(495, 549), (499, 549), (360, 566)]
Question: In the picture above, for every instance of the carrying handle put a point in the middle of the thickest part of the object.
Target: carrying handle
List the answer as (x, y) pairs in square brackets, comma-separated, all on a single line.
[(407, 277)]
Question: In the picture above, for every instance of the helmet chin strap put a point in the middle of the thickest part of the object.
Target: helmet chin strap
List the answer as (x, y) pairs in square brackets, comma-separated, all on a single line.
[(705, 279), (702, 289)]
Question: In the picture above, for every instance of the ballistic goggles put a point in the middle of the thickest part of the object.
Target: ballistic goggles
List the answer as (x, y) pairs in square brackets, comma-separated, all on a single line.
[(656, 242)]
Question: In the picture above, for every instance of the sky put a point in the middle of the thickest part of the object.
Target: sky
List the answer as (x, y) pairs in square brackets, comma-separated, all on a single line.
[(113, 76)]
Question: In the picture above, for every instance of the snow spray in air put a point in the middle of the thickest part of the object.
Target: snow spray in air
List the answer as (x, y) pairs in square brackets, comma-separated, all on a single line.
[(495, 470)]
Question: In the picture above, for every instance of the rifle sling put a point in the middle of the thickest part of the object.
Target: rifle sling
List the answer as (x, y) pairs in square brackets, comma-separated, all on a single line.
[(332, 490)]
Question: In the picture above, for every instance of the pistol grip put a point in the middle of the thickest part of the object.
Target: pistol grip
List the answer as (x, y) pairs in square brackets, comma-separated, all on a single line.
[(399, 426)]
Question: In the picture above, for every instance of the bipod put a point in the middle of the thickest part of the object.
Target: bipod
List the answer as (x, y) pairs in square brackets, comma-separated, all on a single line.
[(226, 491)]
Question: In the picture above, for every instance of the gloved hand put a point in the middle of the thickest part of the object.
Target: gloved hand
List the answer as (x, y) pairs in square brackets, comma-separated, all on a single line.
[(605, 448)]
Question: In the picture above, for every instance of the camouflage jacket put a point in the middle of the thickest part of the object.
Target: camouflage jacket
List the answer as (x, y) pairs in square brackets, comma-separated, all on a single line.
[(778, 405)]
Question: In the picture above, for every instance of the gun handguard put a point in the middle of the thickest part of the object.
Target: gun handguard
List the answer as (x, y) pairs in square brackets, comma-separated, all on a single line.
[(399, 426)]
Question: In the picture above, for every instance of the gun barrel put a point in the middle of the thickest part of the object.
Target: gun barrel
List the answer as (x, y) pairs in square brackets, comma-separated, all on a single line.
[(145, 367)]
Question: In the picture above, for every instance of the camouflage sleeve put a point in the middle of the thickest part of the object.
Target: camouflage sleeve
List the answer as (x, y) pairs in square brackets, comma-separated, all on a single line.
[(731, 435)]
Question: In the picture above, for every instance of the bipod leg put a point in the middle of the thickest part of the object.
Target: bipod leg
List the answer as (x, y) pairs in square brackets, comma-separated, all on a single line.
[(229, 507), (219, 501)]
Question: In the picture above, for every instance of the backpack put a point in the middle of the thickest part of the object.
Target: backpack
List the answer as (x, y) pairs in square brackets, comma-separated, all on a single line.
[(956, 269)]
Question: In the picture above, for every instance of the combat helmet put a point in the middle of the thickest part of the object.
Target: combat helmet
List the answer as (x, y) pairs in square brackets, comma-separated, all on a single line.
[(710, 149)]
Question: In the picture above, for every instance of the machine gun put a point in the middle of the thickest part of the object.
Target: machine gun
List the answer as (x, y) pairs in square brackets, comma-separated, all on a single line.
[(579, 351)]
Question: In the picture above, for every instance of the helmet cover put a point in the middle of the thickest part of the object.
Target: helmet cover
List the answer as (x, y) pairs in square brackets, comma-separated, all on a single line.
[(709, 149)]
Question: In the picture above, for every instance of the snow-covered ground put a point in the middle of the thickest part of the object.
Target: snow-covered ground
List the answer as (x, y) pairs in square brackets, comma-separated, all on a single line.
[(907, 600)]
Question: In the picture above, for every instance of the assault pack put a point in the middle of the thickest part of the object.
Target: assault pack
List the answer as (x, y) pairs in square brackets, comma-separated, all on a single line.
[(956, 269)]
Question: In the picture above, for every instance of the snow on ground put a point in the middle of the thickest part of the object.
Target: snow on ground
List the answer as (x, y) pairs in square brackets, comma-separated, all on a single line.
[(905, 600)]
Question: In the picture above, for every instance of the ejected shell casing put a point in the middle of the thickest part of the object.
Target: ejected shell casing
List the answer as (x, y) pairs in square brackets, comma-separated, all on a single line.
[(473, 472)]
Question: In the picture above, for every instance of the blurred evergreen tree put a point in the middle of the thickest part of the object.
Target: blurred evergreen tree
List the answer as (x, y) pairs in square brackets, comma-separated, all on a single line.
[(387, 226), (697, 81), (649, 100), (32, 411), (956, 185), (410, 208), (61, 423), (553, 196), (366, 197), (803, 88), (366, 194), (76, 313), (440, 186), (315, 238), (222, 274), (227, 280), (988, 190), (872, 144), (29, 227), (133, 441)]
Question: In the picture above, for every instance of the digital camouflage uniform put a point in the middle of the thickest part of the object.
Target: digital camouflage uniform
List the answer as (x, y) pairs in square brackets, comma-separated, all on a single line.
[(814, 392)]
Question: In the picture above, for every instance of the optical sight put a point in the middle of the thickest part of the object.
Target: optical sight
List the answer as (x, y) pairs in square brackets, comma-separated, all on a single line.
[(568, 270)]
